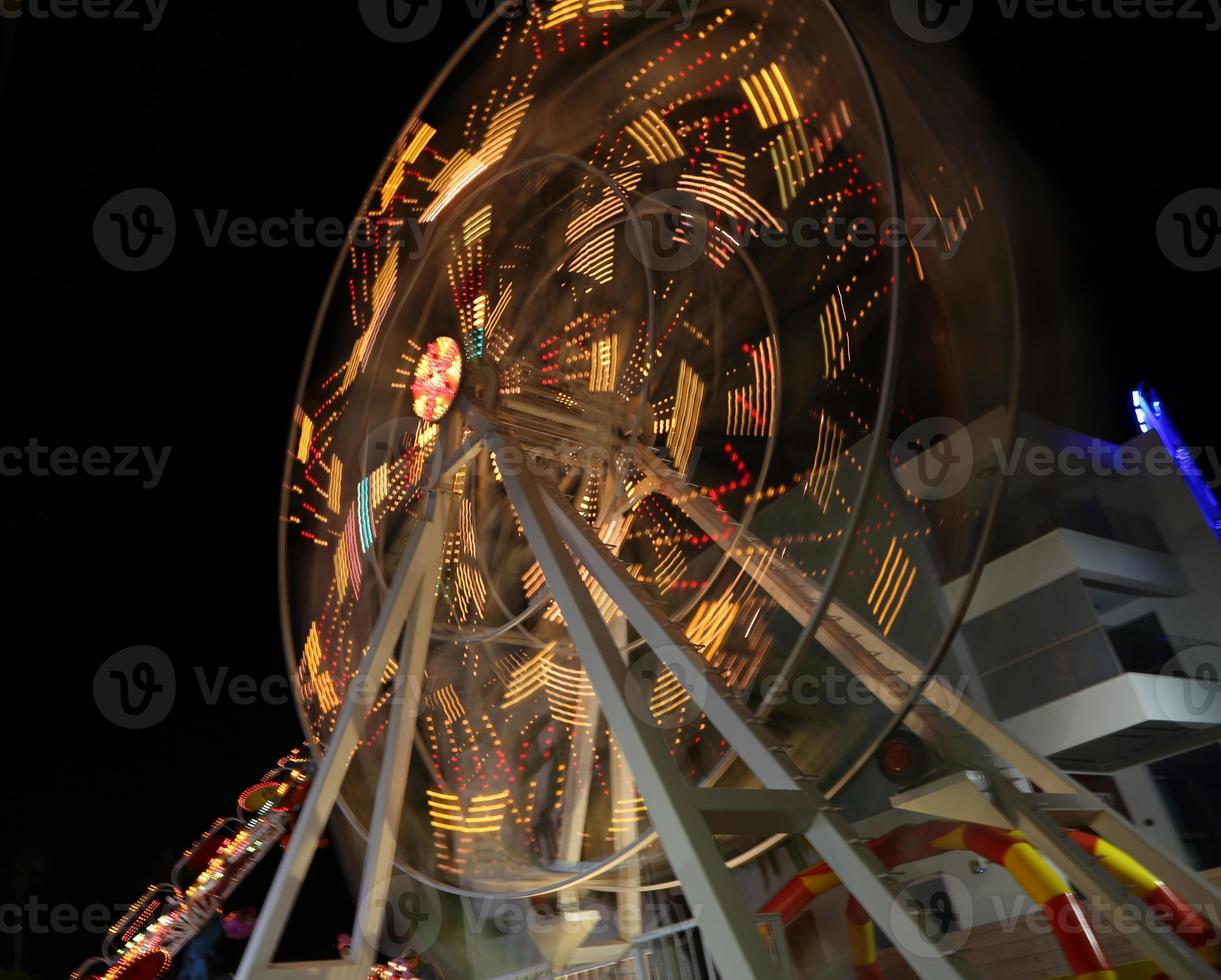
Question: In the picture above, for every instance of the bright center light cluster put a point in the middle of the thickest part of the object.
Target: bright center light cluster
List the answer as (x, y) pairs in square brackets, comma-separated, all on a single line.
[(437, 374)]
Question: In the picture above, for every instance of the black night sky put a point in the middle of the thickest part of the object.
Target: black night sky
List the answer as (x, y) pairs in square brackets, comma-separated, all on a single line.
[(269, 107)]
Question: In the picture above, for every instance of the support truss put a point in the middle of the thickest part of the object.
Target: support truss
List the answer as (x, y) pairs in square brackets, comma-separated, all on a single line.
[(686, 817), (407, 612), (968, 737)]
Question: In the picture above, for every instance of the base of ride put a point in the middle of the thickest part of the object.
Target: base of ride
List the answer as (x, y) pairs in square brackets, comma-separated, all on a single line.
[(1109, 866)]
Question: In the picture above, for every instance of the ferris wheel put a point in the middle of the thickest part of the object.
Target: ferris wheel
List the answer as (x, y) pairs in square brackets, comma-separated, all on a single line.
[(610, 551)]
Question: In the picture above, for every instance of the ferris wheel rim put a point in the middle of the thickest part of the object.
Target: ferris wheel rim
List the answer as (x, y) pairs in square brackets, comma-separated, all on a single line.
[(884, 412)]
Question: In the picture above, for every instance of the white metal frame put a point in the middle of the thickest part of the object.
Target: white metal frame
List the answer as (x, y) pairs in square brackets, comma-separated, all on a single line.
[(685, 817), (407, 612)]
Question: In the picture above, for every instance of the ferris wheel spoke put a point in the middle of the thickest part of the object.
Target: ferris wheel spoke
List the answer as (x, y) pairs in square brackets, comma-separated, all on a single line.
[(682, 814)]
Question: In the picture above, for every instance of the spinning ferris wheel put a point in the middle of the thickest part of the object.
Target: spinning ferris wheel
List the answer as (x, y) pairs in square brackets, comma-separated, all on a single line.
[(603, 563)]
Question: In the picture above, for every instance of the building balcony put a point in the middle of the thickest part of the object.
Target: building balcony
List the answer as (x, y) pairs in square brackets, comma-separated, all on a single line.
[(1127, 720)]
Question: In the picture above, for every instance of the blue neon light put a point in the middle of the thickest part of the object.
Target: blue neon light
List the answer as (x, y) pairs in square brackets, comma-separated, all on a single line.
[(1150, 414), (364, 515)]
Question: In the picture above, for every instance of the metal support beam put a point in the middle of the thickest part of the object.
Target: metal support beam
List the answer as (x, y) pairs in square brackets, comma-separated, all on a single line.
[(397, 751), (855, 864), (870, 657), (418, 564), (554, 531), (755, 811), (725, 921)]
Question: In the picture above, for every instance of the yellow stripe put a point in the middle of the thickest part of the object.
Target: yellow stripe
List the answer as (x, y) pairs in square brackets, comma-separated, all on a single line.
[(820, 884), (955, 840), (1131, 873), (862, 942), (1034, 874)]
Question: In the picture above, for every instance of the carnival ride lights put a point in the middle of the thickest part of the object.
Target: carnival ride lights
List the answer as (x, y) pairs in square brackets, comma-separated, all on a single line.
[(437, 374), (568, 485), (142, 943)]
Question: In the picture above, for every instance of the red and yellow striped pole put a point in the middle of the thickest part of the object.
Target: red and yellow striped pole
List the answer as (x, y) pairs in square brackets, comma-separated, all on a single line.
[(1046, 889), (915, 842), (1188, 924), (862, 942)]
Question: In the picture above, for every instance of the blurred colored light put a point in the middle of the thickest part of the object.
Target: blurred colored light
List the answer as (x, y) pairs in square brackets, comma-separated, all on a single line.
[(437, 374)]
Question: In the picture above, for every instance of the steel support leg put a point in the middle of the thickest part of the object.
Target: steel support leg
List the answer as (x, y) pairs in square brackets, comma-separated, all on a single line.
[(944, 712), (725, 920), (418, 566), (855, 864)]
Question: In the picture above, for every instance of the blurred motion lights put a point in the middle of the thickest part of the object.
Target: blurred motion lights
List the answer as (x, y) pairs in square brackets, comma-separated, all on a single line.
[(437, 374), (642, 237)]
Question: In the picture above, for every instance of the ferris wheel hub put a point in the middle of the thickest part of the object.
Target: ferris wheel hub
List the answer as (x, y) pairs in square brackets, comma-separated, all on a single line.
[(438, 374)]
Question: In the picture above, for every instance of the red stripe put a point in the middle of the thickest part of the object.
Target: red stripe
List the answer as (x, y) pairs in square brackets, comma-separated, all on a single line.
[(1192, 928), (1077, 939), (856, 913), (988, 842), (789, 901), (912, 842), (1088, 842), (1188, 924)]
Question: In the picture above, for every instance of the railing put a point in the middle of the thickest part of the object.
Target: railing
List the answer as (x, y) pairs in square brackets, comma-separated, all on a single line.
[(673, 953)]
